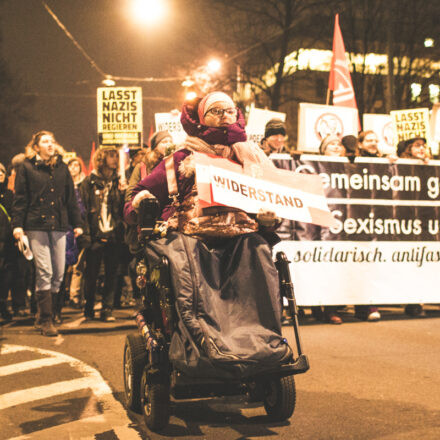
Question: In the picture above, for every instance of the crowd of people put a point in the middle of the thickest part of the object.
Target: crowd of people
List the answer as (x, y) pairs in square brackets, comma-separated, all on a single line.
[(63, 233)]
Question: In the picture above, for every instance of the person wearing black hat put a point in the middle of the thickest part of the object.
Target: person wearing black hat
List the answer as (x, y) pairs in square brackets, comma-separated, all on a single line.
[(274, 137), (414, 148)]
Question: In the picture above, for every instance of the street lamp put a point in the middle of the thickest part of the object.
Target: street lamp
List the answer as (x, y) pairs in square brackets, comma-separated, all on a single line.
[(214, 65), (148, 11)]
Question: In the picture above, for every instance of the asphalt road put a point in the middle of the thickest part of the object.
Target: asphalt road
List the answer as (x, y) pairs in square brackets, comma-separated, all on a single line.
[(367, 381)]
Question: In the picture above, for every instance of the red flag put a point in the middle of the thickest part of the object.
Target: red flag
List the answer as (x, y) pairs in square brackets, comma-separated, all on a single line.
[(340, 79), (92, 154)]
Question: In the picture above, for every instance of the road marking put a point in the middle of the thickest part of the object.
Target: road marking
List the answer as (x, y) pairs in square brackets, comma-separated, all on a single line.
[(29, 365), (54, 389), (10, 349), (114, 415)]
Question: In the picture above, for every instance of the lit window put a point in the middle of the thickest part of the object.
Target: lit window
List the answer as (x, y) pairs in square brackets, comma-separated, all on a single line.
[(416, 89), (429, 42), (434, 90)]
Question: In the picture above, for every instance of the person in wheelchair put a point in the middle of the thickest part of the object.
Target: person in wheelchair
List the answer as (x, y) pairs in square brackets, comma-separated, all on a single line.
[(225, 284)]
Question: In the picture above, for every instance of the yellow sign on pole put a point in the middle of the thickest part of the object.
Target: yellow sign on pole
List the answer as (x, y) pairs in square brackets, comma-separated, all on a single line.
[(120, 116), (408, 124)]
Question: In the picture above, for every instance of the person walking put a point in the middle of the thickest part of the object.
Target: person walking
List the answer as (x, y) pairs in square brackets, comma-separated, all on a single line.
[(103, 202), (44, 206)]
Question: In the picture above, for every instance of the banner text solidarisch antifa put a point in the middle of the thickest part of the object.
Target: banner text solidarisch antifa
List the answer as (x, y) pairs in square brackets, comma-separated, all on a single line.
[(417, 255), (258, 194)]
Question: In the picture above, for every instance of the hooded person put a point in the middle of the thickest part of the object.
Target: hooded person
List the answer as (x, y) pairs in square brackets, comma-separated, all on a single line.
[(217, 247)]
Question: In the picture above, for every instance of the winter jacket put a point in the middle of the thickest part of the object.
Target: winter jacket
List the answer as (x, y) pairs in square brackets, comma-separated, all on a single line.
[(44, 197), (103, 202)]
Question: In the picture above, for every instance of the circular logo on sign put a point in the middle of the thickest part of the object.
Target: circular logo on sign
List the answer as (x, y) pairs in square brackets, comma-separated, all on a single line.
[(328, 123), (387, 134)]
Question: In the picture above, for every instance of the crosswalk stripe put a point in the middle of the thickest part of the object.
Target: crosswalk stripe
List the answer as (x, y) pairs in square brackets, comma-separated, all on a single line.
[(20, 367), (10, 349), (43, 392), (114, 415)]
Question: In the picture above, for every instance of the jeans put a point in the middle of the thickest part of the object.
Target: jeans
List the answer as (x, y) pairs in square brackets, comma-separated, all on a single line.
[(49, 249)]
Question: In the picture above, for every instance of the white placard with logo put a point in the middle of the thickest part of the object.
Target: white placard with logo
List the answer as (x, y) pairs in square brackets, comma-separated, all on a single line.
[(316, 121), (435, 128), (171, 122), (257, 120), (382, 125)]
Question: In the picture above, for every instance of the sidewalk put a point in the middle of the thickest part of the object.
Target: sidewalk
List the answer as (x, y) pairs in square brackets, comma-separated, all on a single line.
[(74, 322)]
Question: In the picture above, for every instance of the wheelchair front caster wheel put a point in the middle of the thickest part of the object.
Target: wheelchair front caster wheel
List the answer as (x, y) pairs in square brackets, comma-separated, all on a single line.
[(280, 398)]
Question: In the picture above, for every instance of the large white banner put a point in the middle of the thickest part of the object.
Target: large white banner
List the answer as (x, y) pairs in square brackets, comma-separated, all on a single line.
[(315, 122), (385, 248)]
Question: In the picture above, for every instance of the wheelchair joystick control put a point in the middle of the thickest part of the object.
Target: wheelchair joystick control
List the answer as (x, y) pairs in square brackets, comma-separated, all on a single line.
[(149, 212)]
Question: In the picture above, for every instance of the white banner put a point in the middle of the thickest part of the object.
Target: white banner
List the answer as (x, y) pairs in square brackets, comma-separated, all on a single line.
[(360, 272), (315, 122), (251, 195), (170, 122)]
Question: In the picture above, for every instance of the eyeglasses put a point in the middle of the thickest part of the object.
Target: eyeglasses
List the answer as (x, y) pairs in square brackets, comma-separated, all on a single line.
[(418, 145), (217, 111)]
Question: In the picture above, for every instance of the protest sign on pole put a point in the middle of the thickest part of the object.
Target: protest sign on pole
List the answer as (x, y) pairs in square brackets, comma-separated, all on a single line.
[(382, 125), (316, 121), (257, 120), (171, 122), (120, 116), (411, 123), (291, 196)]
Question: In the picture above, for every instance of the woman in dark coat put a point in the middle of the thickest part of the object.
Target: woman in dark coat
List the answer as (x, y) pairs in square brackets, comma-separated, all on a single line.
[(44, 207)]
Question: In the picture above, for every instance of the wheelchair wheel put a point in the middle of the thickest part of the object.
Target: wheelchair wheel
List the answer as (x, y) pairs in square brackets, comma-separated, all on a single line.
[(280, 398), (155, 402), (135, 358)]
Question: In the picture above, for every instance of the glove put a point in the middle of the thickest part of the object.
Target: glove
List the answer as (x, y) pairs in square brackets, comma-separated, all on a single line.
[(145, 194), (267, 219)]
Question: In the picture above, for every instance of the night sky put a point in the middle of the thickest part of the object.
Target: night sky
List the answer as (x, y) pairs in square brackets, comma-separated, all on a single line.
[(63, 82)]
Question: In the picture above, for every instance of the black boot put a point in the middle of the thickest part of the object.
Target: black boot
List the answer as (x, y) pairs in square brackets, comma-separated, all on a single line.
[(57, 305), (44, 302)]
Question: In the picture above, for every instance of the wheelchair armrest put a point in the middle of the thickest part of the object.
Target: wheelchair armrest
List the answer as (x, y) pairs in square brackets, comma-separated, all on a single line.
[(148, 214)]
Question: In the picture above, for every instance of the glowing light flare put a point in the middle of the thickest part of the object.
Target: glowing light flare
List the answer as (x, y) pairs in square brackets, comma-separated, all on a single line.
[(214, 65), (190, 96), (148, 11)]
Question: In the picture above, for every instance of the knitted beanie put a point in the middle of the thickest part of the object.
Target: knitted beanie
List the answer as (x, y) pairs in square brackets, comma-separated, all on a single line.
[(274, 127), (324, 143), (158, 137), (209, 100)]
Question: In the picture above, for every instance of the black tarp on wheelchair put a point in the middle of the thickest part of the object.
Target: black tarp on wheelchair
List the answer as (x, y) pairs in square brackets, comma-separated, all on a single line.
[(211, 325)]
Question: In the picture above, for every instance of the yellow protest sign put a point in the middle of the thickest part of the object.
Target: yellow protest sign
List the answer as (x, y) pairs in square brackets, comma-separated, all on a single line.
[(408, 124), (67, 155), (119, 115)]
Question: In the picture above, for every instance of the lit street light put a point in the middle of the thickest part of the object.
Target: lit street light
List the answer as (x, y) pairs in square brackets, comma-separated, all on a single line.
[(148, 11)]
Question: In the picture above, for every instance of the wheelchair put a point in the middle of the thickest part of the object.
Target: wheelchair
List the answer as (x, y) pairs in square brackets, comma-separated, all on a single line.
[(151, 377)]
